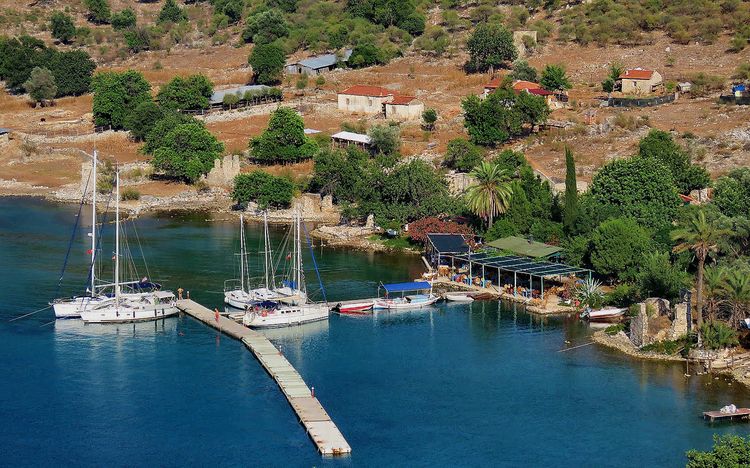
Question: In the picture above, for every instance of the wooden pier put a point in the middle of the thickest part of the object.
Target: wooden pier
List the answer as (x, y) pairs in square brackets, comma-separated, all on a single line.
[(310, 412), (741, 413)]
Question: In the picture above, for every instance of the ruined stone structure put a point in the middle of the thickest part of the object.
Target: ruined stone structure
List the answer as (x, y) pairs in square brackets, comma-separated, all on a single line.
[(657, 321), (224, 171), (518, 40), (311, 206)]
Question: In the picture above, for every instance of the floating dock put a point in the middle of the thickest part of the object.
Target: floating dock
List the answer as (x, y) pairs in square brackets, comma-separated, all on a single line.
[(741, 413), (310, 412)]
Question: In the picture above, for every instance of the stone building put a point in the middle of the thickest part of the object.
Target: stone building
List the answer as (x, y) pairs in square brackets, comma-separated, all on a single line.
[(404, 108), (317, 64), (640, 81), (224, 171), (364, 99)]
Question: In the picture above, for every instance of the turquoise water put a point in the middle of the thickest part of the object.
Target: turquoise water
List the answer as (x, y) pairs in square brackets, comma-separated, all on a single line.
[(462, 385)]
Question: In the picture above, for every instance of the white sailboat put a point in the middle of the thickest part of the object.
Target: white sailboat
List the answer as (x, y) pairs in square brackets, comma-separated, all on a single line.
[(129, 307), (71, 307), (285, 315)]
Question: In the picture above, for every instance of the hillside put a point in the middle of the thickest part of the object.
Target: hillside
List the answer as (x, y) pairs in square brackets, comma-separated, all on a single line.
[(44, 149)]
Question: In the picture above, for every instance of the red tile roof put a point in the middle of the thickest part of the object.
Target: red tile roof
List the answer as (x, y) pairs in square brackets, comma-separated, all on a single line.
[(637, 74), (494, 83), (540, 92), (400, 100), (521, 85), (372, 91)]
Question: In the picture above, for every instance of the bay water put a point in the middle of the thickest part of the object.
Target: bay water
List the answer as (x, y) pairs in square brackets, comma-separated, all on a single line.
[(456, 384)]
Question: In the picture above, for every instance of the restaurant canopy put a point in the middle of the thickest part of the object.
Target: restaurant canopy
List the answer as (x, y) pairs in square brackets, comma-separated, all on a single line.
[(448, 243), (525, 247)]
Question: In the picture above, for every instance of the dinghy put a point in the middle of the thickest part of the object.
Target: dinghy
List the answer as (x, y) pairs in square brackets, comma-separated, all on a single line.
[(609, 314), (458, 297)]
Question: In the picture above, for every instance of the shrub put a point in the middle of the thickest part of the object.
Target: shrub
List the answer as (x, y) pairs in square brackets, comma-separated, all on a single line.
[(429, 117), (301, 81), (462, 155), (171, 13), (613, 330), (124, 19), (554, 78), (385, 139), (728, 450), (130, 194), (41, 85), (265, 27), (263, 188), (366, 55), (98, 11), (718, 335), (62, 27), (419, 229)]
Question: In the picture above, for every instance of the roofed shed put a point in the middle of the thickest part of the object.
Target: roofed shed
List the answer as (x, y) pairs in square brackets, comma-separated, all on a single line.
[(525, 247)]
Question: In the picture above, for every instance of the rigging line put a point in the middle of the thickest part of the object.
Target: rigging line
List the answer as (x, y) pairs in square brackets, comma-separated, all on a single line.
[(140, 248), (315, 263), (30, 313), (73, 234), (97, 257)]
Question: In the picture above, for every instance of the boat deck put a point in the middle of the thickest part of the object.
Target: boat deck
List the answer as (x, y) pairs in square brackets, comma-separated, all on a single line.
[(741, 413), (310, 412)]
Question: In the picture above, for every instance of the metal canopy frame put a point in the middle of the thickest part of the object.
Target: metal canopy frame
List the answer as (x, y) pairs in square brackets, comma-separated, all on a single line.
[(516, 264)]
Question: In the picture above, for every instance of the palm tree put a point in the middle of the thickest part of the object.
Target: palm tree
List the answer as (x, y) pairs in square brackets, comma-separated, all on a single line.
[(714, 287), (490, 195), (737, 288), (702, 237)]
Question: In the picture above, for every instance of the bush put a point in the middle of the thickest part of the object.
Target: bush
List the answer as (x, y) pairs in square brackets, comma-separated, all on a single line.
[(613, 330), (41, 85), (189, 93), (265, 27), (263, 188), (385, 139), (171, 13), (523, 71), (429, 117), (139, 39), (98, 11), (124, 19), (130, 194), (490, 46), (62, 27), (729, 450), (462, 155), (718, 335), (419, 229), (366, 55), (554, 78)]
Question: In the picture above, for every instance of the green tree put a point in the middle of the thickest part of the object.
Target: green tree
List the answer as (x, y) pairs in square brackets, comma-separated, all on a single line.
[(660, 146), (523, 71), (230, 100), (732, 193), (702, 238), (231, 8), (615, 70), (188, 151), (284, 140), (116, 95), (41, 85), (188, 93), (263, 188), (124, 19), (159, 130), (267, 61), (265, 27), (659, 277), (62, 26), (171, 13), (98, 11), (72, 70), (491, 194), (490, 46), (462, 155), (339, 173), (429, 117), (399, 13), (554, 78), (618, 246), (502, 115), (640, 188), (138, 39), (18, 56), (385, 139), (570, 211), (714, 281), (737, 294), (288, 6), (412, 191), (142, 119), (519, 212), (364, 55)]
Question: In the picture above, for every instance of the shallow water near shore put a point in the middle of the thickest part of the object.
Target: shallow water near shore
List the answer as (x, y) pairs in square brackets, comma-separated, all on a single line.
[(456, 384)]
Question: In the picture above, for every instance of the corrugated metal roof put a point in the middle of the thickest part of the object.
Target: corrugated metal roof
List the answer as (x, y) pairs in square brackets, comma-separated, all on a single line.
[(3, 131), (324, 61), (351, 136), (521, 246), (448, 243), (218, 96)]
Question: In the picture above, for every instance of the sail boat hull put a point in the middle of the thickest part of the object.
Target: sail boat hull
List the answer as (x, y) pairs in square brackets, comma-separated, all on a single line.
[(286, 316), (125, 315), (72, 308)]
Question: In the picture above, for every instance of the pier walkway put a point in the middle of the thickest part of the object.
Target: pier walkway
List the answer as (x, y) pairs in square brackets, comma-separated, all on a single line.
[(310, 412)]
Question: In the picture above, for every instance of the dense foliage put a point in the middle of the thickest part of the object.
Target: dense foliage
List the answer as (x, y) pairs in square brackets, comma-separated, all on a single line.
[(187, 152), (41, 85), (490, 46), (732, 193), (660, 146), (116, 95), (124, 19), (19, 56), (462, 155), (188, 93), (729, 450), (263, 188), (554, 78), (419, 229), (267, 61), (284, 140), (502, 115), (265, 27), (170, 13), (399, 13), (62, 27)]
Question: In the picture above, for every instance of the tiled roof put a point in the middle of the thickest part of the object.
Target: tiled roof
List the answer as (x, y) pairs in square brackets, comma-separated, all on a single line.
[(372, 91), (400, 100), (521, 85), (637, 74), (540, 92), (494, 83)]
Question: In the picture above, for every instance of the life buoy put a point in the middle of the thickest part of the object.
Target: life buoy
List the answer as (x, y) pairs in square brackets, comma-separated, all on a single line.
[(264, 314)]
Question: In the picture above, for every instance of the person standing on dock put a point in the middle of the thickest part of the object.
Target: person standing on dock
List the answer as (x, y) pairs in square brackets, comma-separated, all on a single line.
[(216, 314), (179, 293)]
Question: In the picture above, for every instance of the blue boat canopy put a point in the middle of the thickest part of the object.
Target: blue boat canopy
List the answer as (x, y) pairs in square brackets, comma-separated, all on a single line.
[(413, 286)]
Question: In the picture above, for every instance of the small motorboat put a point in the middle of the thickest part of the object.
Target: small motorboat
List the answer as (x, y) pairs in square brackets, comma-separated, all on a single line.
[(458, 297), (356, 308), (608, 314)]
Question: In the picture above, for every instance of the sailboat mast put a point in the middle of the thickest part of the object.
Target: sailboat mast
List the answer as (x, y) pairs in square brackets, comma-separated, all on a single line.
[(93, 230), (298, 246), (117, 237), (267, 260), (242, 251)]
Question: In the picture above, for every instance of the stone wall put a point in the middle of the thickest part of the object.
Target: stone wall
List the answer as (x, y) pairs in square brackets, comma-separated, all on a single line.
[(518, 40), (657, 321), (224, 171), (311, 206)]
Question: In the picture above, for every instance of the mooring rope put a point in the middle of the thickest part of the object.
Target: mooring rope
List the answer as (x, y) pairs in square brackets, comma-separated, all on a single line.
[(30, 313), (575, 347)]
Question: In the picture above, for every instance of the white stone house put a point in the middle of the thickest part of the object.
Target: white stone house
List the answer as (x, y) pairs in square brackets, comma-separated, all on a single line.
[(404, 108), (364, 99), (640, 81)]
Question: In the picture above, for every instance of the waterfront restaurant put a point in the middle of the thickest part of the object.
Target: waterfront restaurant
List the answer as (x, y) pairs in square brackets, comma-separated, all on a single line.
[(508, 256)]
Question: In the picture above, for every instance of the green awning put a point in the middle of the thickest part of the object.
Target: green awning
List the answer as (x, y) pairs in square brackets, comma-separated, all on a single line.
[(525, 247)]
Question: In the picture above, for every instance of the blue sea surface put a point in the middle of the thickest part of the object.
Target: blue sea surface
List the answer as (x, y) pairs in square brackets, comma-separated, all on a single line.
[(453, 385)]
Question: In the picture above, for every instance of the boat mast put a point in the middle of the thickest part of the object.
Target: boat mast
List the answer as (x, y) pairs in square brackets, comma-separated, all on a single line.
[(298, 247), (93, 230), (117, 238), (267, 260), (242, 253)]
